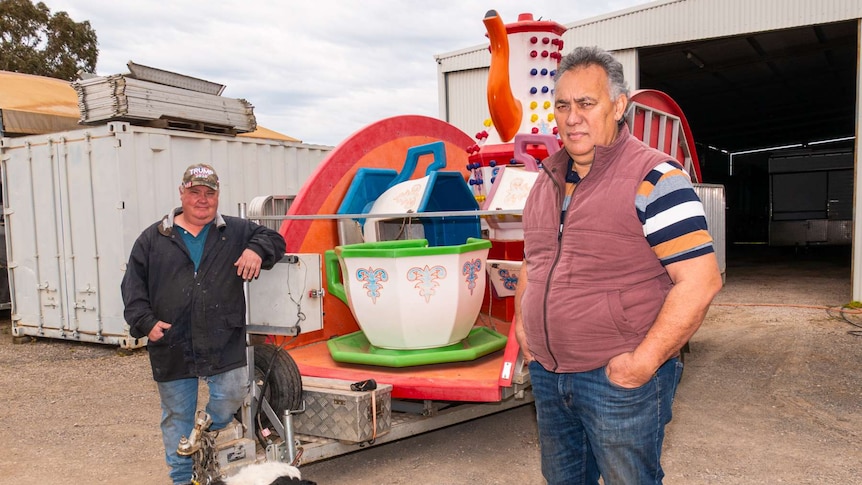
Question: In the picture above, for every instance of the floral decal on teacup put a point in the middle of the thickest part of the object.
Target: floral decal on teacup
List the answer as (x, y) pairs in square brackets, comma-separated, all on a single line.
[(518, 191), (471, 270), (372, 278), (426, 279), (509, 279), (409, 198)]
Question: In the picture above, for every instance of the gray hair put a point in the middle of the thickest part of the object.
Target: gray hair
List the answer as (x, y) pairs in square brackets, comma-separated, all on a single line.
[(587, 56)]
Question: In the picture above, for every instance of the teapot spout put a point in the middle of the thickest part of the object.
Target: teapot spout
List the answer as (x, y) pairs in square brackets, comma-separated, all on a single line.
[(506, 111)]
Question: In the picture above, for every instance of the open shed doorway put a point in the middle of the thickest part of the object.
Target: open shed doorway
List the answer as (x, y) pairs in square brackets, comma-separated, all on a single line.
[(752, 96)]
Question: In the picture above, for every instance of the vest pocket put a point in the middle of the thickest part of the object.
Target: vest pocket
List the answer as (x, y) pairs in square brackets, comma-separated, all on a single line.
[(618, 316), (589, 322)]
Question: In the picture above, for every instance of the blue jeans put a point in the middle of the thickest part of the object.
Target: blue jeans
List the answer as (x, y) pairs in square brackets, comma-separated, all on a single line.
[(589, 427), (179, 403)]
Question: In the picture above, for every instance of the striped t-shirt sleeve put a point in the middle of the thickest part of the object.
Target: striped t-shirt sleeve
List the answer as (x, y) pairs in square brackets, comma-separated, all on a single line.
[(672, 215)]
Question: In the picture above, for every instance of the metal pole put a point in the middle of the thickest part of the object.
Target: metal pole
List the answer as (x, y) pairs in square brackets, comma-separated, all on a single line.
[(242, 215), (288, 435), (247, 405), (856, 245)]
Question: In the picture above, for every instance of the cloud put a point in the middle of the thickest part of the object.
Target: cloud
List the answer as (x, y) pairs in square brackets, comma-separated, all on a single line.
[(317, 70)]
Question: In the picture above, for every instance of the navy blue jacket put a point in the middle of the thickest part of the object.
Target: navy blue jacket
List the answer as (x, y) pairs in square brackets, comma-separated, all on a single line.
[(207, 309)]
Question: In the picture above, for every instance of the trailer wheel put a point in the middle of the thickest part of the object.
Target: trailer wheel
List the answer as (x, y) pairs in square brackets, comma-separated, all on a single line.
[(284, 384)]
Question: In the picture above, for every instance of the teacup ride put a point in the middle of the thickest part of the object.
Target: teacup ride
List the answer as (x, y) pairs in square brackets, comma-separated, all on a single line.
[(415, 304), (503, 276), (415, 290), (314, 225)]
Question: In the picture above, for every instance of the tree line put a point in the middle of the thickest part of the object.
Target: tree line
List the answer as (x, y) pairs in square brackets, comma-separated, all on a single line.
[(35, 41)]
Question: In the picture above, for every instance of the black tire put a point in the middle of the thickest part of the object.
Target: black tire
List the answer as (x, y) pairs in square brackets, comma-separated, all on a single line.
[(284, 385)]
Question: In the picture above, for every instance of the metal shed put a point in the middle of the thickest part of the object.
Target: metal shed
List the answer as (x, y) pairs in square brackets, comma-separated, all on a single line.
[(752, 76)]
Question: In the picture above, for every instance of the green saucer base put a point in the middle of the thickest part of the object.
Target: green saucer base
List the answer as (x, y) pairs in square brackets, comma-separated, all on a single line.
[(354, 348)]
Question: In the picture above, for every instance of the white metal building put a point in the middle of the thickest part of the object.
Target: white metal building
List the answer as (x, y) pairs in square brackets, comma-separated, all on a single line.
[(750, 75)]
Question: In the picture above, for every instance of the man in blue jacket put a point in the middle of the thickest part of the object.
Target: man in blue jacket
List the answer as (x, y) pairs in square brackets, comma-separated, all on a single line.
[(183, 290)]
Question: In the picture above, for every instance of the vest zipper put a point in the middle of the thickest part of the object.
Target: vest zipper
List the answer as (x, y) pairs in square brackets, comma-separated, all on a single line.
[(552, 269)]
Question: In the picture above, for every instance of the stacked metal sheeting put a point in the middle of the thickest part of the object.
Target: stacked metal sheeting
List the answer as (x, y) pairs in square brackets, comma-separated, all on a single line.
[(121, 97)]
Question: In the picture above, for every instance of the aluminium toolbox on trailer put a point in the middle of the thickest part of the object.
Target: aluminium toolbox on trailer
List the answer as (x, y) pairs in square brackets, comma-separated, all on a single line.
[(76, 201)]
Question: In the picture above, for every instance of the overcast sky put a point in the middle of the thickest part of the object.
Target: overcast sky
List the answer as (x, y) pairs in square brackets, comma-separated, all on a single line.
[(317, 70)]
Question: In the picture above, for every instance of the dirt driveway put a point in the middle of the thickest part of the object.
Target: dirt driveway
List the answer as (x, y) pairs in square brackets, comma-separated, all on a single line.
[(771, 394)]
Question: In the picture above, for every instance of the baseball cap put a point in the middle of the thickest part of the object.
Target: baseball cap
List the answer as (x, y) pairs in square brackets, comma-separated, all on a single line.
[(200, 174)]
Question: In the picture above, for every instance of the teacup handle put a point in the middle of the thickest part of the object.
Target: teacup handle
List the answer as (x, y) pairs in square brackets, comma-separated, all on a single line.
[(524, 139), (334, 283), (437, 149)]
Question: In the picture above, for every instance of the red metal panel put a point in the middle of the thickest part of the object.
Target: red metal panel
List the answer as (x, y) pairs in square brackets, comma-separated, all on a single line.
[(652, 123)]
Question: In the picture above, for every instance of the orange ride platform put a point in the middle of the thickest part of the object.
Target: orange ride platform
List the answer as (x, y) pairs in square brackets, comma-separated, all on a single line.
[(480, 380)]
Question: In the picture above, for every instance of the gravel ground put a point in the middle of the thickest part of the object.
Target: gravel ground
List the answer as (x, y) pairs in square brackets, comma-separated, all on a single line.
[(770, 395)]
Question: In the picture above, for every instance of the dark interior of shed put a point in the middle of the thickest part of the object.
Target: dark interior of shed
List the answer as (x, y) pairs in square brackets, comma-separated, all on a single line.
[(750, 96)]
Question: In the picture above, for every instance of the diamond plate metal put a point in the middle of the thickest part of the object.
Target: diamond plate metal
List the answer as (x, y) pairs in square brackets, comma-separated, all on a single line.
[(344, 415)]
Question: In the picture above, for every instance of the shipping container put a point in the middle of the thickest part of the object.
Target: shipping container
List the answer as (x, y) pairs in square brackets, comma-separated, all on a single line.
[(76, 201)]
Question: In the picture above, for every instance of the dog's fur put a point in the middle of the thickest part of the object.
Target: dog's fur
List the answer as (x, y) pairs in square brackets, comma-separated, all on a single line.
[(268, 473)]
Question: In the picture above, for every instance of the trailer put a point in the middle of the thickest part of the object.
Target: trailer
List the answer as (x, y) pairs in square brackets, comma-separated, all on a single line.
[(298, 418), (408, 399), (325, 408), (811, 198)]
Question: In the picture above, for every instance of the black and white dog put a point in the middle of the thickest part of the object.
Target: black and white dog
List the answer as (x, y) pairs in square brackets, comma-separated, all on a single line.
[(268, 473)]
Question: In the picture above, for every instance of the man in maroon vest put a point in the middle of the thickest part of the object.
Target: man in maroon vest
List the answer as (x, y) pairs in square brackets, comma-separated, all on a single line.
[(619, 271)]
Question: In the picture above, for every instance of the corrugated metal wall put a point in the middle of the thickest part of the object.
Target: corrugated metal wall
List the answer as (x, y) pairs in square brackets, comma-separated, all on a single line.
[(675, 21), (248, 167), (467, 102)]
